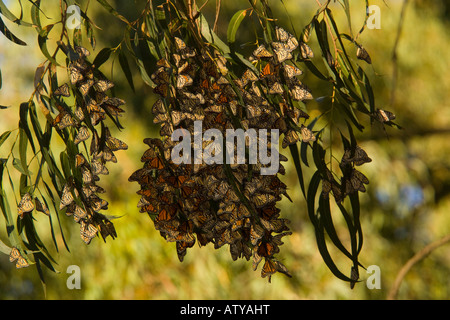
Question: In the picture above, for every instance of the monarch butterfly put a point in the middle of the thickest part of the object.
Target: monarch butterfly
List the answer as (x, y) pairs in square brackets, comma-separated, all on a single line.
[(107, 229), (82, 135), (253, 111), (177, 117), (292, 71), (354, 276), (362, 54), (184, 68), (62, 90), (177, 181), (160, 76), (177, 59), (150, 208), (216, 87), (236, 250), (149, 155), (97, 203), (358, 180), (85, 87), (247, 76), (113, 101), (83, 52), (98, 168), (163, 63), (143, 202), (295, 114), (87, 231), (103, 85), (66, 197), (276, 88), (75, 75), (63, 120), (272, 266), (187, 53), (256, 233), (290, 137), (306, 51), (266, 249), (214, 108), (79, 213), (155, 163), (86, 175), (261, 52), (166, 129), (21, 262), (275, 225), (384, 115), (359, 158), (41, 207), (115, 144), (282, 35), (159, 118), (158, 107), (282, 52), (108, 155), (166, 214), (222, 99), (25, 205), (162, 89), (292, 43), (300, 93), (307, 134), (14, 254), (113, 110), (222, 238), (268, 269), (183, 81), (180, 44)]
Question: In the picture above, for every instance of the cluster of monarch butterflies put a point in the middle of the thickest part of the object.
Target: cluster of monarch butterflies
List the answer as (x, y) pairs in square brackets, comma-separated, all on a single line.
[(79, 196), (222, 204), (16, 256), (352, 180)]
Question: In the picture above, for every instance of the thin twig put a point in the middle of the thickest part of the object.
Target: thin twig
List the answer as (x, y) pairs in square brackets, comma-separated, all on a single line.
[(394, 53), (217, 15), (422, 254)]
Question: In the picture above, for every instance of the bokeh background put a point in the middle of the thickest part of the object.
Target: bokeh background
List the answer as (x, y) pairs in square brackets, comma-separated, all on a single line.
[(406, 206)]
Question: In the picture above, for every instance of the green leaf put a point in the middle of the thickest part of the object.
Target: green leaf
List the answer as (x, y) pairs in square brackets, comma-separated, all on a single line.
[(35, 15), (23, 143), (234, 24), (327, 221), (9, 35), (101, 57), (10, 16), (298, 167), (113, 11), (126, 69), (23, 122), (18, 165), (311, 197), (4, 137), (354, 200), (321, 244)]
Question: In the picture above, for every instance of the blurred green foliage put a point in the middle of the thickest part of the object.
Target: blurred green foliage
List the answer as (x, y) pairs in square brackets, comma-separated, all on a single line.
[(406, 206)]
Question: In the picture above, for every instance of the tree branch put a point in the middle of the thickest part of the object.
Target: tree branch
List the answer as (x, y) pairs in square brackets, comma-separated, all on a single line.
[(419, 256)]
